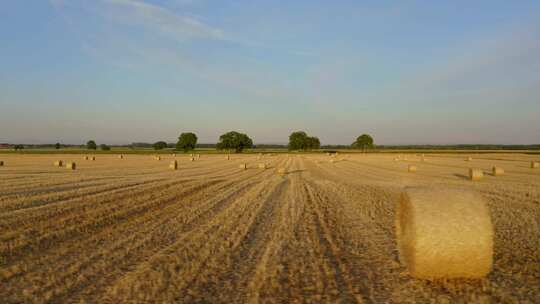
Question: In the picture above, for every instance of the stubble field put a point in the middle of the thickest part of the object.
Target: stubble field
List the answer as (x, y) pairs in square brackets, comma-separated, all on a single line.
[(133, 231)]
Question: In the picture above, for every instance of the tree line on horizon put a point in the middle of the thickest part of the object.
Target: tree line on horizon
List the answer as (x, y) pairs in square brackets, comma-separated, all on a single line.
[(237, 142)]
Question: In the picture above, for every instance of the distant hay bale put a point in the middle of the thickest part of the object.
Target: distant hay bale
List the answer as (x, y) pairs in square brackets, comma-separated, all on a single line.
[(469, 158), (243, 166), (93, 158), (332, 161), (1, 163), (121, 156), (262, 166), (86, 158), (228, 157), (498, 171), (58, 163), (535, 165), (71, 166), (157, 158), (191, 155), (396, 159), (281, 171), (412, 168), (476, 174), (192, 159), (444, 233), (173, 165)]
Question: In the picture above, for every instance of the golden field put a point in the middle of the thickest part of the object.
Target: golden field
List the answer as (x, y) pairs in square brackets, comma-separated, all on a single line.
[(132, 230)]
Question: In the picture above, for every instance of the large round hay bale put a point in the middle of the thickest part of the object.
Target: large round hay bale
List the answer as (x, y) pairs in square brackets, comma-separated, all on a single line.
[(71, 166), (262, 166), (476, 174), (412, 168), (93, 158), (228, 157), (121, 156), (1, 163), (86, 158), (469, 158), (443, 233), (173, 165), (58, 163), (535, 165), (498, 171), (243, 166)]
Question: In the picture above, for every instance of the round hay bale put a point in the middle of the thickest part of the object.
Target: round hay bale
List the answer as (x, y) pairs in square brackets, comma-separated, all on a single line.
[(158, 158), (93, 158), (71, 166), (262, 166), (243, 166), (443, 233), (121, 156), (469, 158), (412, 168), (58, 163), (535, 165), (476, 174), (173, 165), (86, 158), (228, 157), (1, 163), (192, 159), (498, 171)]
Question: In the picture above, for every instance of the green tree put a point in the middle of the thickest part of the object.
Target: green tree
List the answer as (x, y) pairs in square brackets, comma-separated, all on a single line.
[(160, 145), (298, 140), (104, 147), (364, 141), (18, 147), (312, 143), (57, 146), (91, 145), (186, 141), (234, 141)]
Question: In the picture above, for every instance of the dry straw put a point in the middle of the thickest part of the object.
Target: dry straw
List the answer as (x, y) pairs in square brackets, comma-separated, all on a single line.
[(498, 171), (173, 165), (469, 158), (443, 233), (243, 166), (281, 171), (412, 168), (58, 163), (535, 165), (262, 166), (475, 174), (71, 166)]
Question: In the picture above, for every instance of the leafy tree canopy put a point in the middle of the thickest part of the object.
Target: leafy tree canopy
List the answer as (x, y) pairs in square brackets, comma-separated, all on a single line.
[(364, 141), (186, 141), (104, 147), (299, 140), (91, 145), (234, 141)]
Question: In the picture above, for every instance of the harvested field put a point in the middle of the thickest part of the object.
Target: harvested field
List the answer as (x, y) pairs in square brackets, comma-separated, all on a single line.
[(134, 231)]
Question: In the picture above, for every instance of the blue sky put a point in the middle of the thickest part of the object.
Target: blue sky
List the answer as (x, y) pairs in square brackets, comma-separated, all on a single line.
[(407, 72)]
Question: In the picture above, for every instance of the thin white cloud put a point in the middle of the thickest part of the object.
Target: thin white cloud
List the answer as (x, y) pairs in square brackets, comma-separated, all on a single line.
[(158, 18)]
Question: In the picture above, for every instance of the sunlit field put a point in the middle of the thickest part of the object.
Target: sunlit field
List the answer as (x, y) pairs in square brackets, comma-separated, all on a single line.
[(322, 230)]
